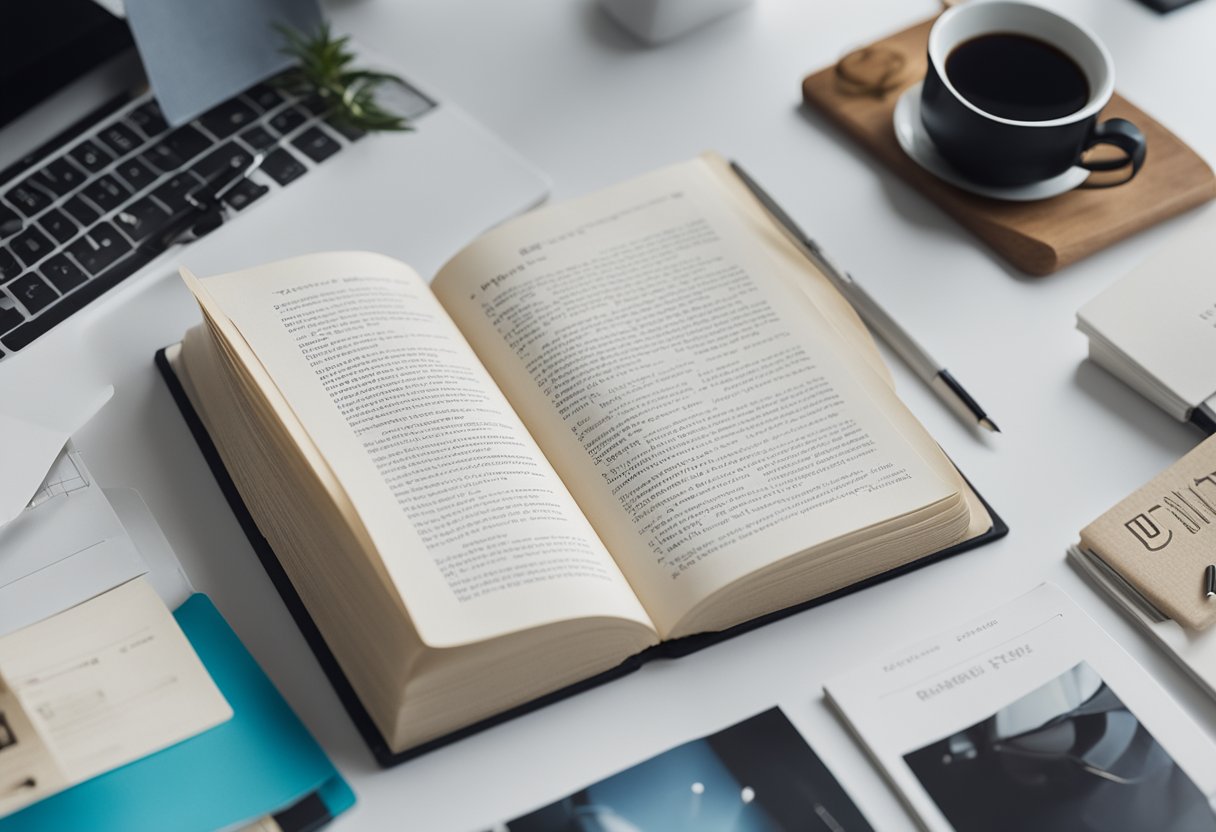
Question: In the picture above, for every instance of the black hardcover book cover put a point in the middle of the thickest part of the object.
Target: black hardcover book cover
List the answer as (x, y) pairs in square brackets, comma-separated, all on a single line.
[(1202, 421), (384, 755)]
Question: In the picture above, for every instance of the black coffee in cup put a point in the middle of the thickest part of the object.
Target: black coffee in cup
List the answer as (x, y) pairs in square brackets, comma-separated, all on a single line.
[(1017, 77), (1012, 95)]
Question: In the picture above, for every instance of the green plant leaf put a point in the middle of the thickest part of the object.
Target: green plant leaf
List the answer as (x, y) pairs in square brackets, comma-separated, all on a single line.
[(324, 70)]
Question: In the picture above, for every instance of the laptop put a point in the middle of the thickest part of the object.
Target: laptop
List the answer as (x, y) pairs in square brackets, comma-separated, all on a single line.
[(99, 195)]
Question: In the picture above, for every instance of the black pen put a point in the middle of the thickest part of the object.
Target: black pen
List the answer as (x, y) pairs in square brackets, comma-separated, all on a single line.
[(914, 355)]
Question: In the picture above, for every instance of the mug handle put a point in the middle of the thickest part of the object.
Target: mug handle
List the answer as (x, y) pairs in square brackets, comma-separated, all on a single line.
[(1124, 135)]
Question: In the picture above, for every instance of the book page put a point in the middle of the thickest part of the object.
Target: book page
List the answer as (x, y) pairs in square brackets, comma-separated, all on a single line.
[(1029, 717), (104, 684), (475, 530), (705, 415)]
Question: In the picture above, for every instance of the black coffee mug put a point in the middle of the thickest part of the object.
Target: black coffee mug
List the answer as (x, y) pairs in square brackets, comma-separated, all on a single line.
[(1005, 152)]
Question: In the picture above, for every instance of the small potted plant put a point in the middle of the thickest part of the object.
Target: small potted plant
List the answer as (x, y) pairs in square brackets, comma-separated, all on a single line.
[(325, 72)]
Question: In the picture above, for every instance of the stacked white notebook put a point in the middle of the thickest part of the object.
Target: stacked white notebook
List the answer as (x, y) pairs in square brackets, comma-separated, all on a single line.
[(1156, 328)]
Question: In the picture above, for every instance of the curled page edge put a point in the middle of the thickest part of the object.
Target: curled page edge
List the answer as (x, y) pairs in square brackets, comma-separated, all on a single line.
[(39, 445)]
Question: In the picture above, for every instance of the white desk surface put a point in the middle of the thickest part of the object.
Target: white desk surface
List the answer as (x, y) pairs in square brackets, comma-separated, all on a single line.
[(573, 93)]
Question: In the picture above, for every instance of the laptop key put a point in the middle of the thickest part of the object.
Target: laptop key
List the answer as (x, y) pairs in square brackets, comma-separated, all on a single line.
[(34, 293), (220, 163), (136, 174), (173, 192), (282, 166), (264, 97), (62, 273), (162, 158), (147, 117), (257, 138), (26, 198), (141, 219), (314, 105), (187, 142), (81, 210), (287, 120), (228, 118), (120, 138), (89, 155), (31, 245), (207, 222), (57, 224), (10, 222), (243, 193), (316, 144), (9, 267), (11, 315), (106, 192), (60, 177), (99, 248)]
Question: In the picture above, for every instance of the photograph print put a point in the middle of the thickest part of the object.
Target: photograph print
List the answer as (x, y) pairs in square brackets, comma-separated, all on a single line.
[(1069, 756), (756, 776)]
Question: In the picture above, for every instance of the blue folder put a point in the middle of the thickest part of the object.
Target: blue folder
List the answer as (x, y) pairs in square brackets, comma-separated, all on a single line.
[(261, 762)]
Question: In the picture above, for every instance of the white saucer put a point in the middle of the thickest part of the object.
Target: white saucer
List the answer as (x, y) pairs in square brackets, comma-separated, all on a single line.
[(915, 141)]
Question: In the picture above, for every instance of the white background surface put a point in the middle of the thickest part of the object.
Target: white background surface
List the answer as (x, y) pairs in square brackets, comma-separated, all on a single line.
[(574, 94)]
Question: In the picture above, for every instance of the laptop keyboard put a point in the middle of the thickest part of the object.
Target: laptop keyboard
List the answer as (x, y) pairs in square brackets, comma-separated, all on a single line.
[(104, 199)]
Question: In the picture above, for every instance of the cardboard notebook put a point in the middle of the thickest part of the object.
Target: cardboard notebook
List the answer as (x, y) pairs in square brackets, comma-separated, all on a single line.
[(1036, 237), (1150, 555), (617, 429)]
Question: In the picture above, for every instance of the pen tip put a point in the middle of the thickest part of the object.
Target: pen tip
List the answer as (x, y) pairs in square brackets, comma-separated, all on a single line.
[(988, 424)]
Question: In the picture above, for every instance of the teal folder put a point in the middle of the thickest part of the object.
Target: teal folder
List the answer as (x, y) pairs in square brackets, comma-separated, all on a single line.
[(261, 762)]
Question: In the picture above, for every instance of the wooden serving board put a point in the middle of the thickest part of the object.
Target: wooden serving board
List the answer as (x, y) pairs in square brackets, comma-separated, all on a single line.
[(1036, 237)]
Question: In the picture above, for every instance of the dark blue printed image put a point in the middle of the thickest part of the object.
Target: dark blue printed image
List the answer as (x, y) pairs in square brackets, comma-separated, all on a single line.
[(756, 776), (1069, 756)]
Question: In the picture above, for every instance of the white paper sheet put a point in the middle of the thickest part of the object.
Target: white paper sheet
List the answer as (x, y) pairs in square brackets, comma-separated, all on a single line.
[(68, 547), (36, 428), (165, 572)]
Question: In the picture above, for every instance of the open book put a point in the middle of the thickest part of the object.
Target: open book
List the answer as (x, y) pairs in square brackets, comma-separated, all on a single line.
[(605, 425)]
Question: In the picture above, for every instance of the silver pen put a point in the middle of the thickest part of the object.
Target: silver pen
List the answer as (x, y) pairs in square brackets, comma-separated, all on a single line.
[(931, 372)]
